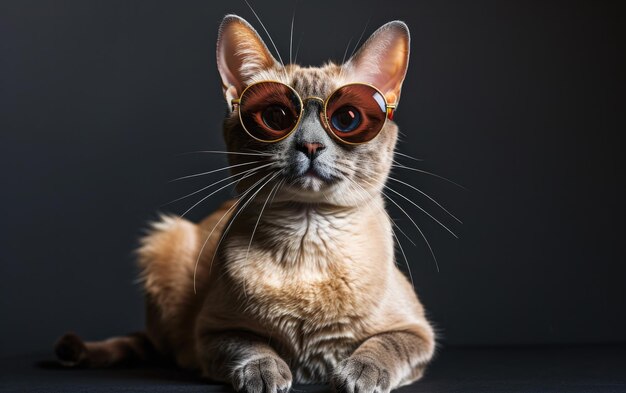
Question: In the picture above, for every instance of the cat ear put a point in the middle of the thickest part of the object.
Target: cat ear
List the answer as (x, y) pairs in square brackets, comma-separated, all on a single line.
[(241, 54), (382, 60)]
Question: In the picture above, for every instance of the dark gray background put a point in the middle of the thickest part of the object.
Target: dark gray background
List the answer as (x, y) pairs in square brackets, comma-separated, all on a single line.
[(521, 102)]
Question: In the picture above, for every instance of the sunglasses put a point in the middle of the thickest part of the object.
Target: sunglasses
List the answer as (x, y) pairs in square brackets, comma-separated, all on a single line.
[(355, 113)]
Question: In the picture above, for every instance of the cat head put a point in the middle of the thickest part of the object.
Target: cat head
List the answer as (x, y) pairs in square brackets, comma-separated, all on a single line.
[(311, 164)]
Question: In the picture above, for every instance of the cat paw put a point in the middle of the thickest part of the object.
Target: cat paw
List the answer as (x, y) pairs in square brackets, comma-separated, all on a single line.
[(360, 375), (264, 375)]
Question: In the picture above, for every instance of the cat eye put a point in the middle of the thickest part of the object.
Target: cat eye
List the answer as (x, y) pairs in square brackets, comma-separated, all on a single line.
[(346, 119), (277, 117), (270, 111)]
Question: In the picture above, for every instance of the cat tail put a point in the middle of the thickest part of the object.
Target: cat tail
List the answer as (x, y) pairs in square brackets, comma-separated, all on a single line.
[(135, 348)]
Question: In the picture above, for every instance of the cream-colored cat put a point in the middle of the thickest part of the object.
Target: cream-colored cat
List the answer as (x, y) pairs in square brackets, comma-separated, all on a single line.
[(294, 281)]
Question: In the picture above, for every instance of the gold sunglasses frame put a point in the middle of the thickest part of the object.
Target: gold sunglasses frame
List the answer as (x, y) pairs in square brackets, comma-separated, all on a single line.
[(389, 110)]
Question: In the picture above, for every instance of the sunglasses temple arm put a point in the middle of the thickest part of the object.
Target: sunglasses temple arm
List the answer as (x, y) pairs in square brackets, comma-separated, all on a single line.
[(233, 102), (390, 111)]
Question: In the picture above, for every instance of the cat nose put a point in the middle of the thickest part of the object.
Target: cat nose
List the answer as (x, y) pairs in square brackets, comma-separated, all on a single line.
[(310, 149)]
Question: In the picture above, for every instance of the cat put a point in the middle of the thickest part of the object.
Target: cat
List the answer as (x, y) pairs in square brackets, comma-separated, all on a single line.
[(295, 281)]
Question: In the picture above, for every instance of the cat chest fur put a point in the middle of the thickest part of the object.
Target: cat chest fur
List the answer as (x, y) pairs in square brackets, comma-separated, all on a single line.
[(313, 325), (312, 294)]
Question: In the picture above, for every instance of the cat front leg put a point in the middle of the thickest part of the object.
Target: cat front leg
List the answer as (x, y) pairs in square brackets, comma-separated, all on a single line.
[(385, 361), (246, 361)]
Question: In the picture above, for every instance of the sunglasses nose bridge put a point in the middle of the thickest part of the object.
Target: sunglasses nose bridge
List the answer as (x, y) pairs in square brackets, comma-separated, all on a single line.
[(320, 99), (304, 101)]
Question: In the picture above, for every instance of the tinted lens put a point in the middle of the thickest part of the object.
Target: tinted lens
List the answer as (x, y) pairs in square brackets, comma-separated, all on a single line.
[(269, 110), (356, 113)]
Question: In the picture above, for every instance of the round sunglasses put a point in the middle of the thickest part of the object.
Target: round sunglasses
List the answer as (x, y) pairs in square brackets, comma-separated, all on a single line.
[(355, 113)]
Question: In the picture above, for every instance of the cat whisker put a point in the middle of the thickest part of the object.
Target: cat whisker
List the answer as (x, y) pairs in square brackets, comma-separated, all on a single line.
[(246, 203), (414, 204), (293, 17), (343, 59), (381, 210), (218, 182), (396, 164), (259, 219), (408, 156), (360, 37), (260, 152), (418, 229), (415, 188), (243, 195), (421, 209), (402, 166), (427, 196), (295, 57), (268, 36), (218, 190), (406, 261), (281, 184), (195, 269), (216, 170), (414, 223), (408, 216), (225, 152), (355, 47), (345, 52)]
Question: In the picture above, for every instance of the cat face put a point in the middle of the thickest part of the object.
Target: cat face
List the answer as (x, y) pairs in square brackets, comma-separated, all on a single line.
[(311, 164)]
